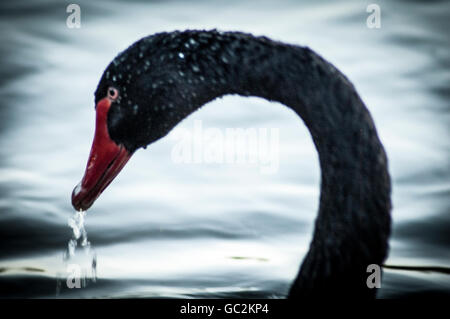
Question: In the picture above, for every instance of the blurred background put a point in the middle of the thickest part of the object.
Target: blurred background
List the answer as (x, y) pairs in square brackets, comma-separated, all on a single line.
[(166, 229)]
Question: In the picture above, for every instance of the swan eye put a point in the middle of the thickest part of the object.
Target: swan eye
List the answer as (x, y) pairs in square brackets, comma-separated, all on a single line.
[(113, 93)]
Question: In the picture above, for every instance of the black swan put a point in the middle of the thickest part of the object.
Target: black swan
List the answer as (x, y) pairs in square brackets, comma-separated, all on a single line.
[(161, 79)]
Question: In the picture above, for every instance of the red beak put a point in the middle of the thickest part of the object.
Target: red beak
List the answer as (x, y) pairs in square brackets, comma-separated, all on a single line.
[(106, 160)]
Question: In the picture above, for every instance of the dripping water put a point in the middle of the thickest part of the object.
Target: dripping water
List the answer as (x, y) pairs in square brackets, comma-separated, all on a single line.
[(79, 258)]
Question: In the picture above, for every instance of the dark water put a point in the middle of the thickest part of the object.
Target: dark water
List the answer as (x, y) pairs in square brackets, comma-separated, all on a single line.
[(165, 229)]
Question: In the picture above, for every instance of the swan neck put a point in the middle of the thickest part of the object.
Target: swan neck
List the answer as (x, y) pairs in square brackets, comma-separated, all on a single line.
[(353, 222)]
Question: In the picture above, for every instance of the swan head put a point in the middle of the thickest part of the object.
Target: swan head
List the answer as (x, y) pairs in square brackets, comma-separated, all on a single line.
[(143, 93)]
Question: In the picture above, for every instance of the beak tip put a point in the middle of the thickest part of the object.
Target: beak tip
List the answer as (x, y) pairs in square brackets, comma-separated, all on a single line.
[(77, 198)]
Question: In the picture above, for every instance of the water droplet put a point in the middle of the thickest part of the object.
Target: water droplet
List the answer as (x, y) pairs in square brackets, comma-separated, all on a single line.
[(154, 86), (181, 73), (71, 248), (205, 35), (147, 62), (107, 74), (141, 55), (202, 78), (192, 41), (195, 68), (114, 78), (135, 109), (224, 59), (181, 55)]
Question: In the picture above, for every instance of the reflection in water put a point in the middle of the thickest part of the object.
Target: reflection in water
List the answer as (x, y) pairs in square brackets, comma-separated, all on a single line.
[(238, 233)]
